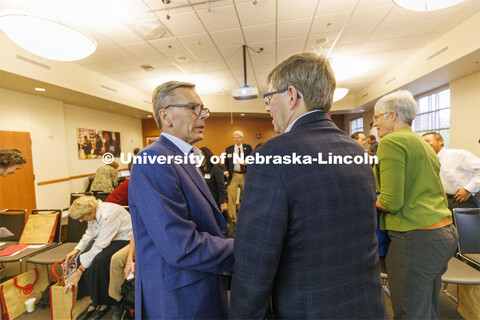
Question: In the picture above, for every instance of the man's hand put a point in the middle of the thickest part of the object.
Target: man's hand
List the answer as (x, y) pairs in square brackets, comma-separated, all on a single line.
[(223, 207), (74, 281), (71, 255), (226, 174), (462, 195), (129, 267)]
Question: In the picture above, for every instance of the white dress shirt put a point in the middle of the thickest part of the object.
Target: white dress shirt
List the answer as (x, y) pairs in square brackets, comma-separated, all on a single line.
[(236, 164), (459, 169), (112, 222)]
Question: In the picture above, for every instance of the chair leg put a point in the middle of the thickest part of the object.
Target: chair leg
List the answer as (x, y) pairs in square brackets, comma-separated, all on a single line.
[(451, 296)]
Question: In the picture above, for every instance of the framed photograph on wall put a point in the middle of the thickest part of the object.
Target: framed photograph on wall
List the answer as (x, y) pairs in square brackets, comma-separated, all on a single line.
[(93, 143)]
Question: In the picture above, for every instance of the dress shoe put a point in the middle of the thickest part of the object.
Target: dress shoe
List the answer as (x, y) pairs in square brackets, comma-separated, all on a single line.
[(100, 314)]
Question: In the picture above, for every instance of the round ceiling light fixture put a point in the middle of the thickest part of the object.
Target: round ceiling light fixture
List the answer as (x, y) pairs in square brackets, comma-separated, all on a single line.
[(46, 38), (339, 94), (426, 5)]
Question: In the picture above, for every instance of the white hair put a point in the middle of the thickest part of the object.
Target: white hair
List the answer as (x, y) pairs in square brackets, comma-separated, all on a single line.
[(400, 101), (238, 133)]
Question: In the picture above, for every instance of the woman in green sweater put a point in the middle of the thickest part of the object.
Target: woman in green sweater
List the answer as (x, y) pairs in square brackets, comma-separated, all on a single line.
[(415, 211)]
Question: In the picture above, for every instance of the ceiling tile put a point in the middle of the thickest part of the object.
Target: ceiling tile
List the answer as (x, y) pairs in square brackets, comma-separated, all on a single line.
[(220, 74), (334, 6), (220, 18), (168, 45), (389, 31), (362, 18), (197, 41), (140, 49), (291, 10), (207, 55), (259, 33), (251, 15), (330, 22), (157, 61), (292, 45), (119, 33), (180, 58), (215, 65), (128, 10), (355, 35), (229, 37), (114, 53), (182, 24), (397, 15), (425, 26), (293, 28)]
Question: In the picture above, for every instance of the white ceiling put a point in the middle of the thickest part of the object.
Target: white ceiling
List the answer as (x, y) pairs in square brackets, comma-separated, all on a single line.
[(366, 38)]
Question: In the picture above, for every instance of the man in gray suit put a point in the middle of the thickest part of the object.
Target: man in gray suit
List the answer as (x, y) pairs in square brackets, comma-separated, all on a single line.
[(306, 232)]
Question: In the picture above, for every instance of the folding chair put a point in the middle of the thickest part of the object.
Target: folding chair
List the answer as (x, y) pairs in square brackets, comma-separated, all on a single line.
[(467, 221), (14, 221), (459, 272), (102, 195), (75, 195), (28, 236), (75, 231)]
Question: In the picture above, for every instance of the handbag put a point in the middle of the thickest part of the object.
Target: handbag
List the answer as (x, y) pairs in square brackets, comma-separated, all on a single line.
[(65, 305), (17, 290), (468, 301)]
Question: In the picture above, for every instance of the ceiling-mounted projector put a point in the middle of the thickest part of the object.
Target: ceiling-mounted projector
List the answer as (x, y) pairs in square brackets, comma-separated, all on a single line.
[(245, 93)]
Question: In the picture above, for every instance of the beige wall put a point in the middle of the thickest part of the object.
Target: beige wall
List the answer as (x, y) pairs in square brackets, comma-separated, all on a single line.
[(465, 114), (53, 128)]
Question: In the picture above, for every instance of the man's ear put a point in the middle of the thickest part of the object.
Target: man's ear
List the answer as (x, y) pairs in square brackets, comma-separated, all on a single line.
[(293, 97), (165, 117), (441, 141)]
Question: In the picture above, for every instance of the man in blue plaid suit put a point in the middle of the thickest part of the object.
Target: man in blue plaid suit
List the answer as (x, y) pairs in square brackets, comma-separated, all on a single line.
[(305, 237), (183, 253)]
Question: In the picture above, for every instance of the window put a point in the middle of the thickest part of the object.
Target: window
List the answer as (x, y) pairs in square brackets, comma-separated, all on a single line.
[(434, 115), (356, 125)]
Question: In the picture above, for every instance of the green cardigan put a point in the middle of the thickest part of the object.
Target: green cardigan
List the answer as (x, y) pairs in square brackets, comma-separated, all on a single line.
[(407, 177)]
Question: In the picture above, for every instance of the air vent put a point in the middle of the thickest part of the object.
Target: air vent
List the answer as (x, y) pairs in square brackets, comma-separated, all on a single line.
[(148, 30), (439, 52), (34, 62), (108, 88), (391, 80)]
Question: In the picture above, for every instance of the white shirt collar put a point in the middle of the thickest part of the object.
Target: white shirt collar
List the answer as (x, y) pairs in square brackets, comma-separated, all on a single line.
[(182, 145)]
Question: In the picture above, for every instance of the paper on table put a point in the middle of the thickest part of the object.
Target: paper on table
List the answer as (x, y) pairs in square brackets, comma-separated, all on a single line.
[(36, 246), (4, 232)]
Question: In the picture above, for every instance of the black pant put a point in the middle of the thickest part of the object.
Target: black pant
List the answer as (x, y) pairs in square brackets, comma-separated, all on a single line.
[(96, 278)]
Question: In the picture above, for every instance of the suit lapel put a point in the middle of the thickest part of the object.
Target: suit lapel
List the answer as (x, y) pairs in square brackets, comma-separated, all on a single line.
[(192, 172)]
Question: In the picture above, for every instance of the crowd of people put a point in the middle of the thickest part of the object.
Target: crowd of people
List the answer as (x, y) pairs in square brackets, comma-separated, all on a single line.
[(303, 242)]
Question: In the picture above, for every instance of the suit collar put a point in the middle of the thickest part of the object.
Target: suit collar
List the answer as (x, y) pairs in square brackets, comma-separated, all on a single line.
[(309, 118)]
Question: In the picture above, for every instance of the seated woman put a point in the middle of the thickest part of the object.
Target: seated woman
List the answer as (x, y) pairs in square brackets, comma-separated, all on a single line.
[(110, 229), (106, 178), (415, 212)]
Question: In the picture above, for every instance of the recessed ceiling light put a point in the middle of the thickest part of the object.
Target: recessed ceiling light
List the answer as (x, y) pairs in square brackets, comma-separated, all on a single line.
[(426, 5), (149, 116), (40, 89), (321, 41), (46, 38), (242, 114)]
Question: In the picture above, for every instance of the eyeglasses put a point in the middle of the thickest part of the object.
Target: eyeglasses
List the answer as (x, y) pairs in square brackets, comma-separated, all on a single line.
[(267, 97), (375, 117), (197, 109)]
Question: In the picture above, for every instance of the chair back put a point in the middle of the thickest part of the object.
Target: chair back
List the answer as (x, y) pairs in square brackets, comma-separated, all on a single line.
[(14, 221), (75, 195), (75, 229), (467, 221), (102, 195), (58, 227)]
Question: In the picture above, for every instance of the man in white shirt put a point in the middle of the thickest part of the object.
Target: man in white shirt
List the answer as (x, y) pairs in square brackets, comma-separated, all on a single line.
[(235, 174), (459, 171)]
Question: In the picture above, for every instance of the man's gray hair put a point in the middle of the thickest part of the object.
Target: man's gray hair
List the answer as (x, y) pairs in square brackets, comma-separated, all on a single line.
[(162, 97), (238, 133), (310, 74), (400, 101)]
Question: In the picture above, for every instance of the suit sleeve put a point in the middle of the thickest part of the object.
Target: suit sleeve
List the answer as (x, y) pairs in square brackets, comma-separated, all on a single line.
[(160, 203), (261, 229), (219, 180)]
